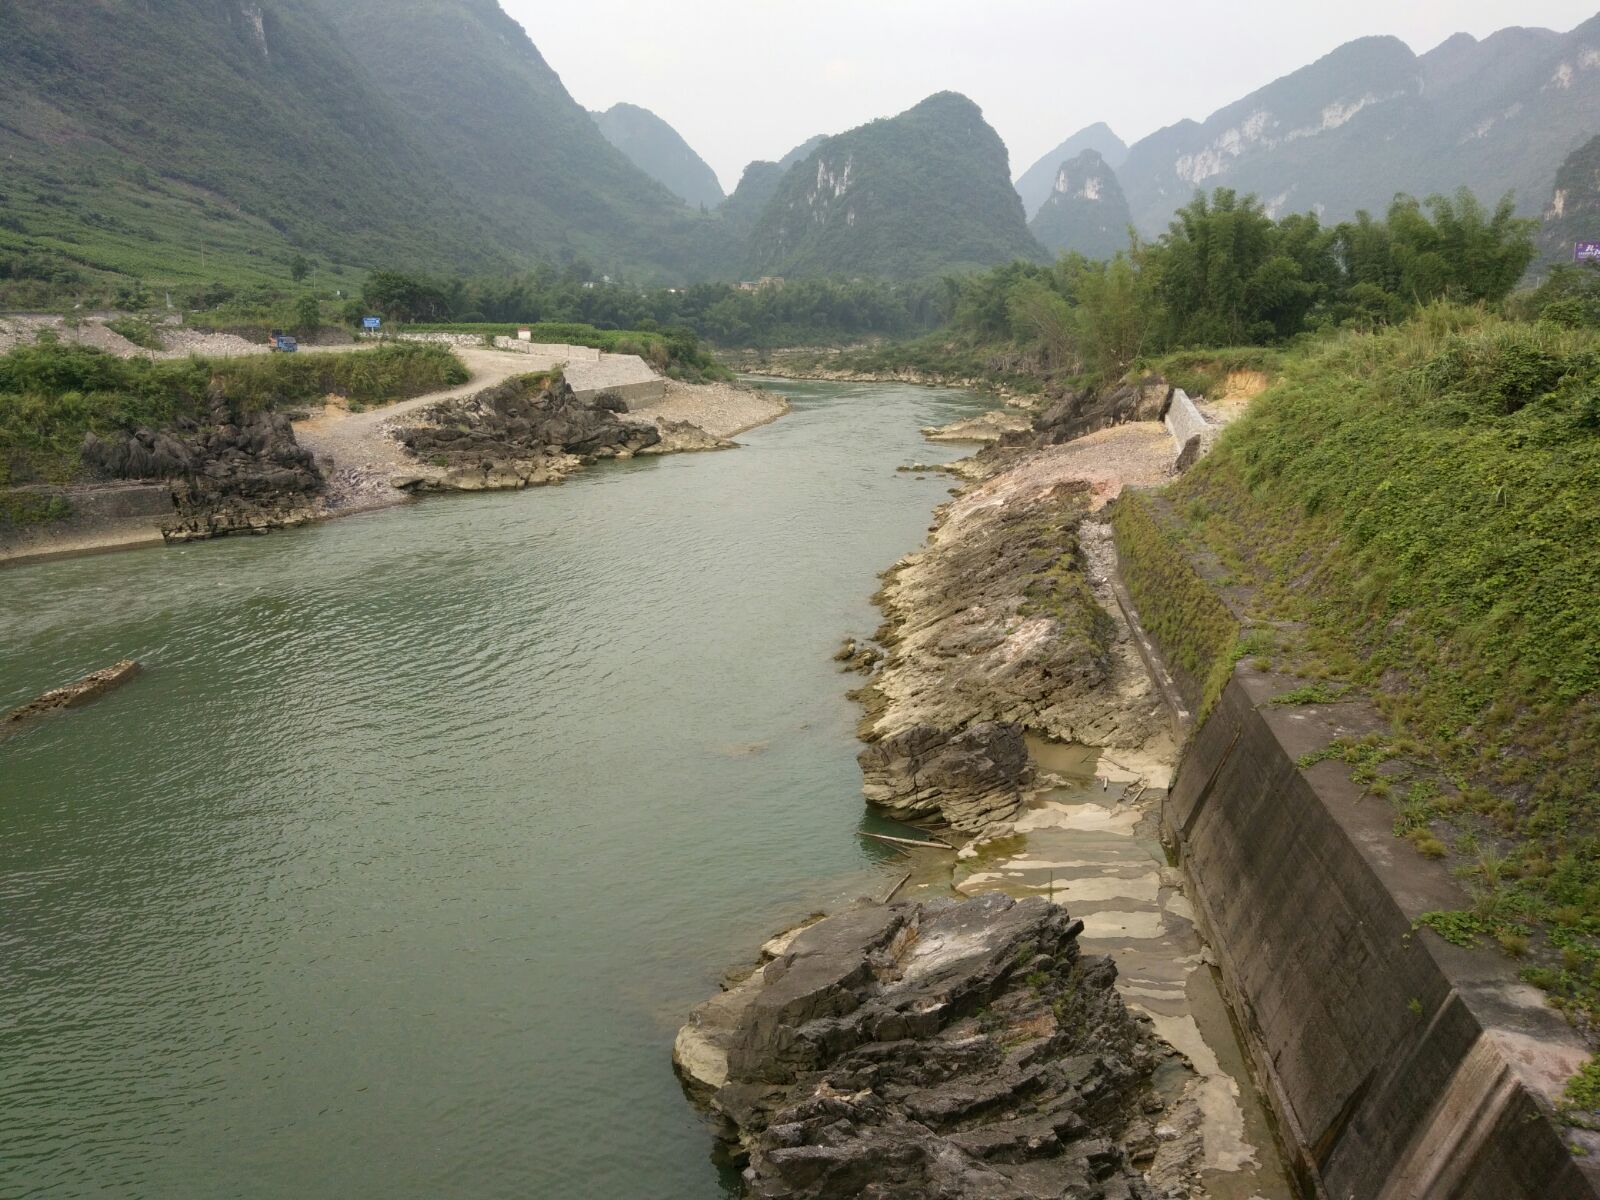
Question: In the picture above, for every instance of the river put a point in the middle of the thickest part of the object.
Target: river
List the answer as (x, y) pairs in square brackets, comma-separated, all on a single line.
[(395, 872)]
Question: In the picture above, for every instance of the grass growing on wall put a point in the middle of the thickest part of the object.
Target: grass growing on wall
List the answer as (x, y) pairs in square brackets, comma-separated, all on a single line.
[(1425, 502), (1179, 609)]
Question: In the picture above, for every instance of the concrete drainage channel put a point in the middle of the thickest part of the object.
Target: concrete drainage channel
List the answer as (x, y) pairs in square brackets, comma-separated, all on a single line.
[(1092, 844)]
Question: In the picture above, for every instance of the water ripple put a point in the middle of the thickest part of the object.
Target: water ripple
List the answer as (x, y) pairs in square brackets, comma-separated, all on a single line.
[(393, 872)]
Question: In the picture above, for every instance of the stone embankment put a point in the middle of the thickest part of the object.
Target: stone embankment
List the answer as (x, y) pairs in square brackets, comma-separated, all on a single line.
[(952, 1049)]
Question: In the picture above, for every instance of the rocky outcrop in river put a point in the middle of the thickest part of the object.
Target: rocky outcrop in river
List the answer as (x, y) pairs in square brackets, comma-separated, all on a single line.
[(517, 434), (967, 779), (953, 1049), (74, 695), (1000, 624), (229, 475)]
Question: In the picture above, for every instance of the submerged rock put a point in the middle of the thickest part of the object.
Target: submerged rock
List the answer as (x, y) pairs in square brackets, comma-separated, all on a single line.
[(948, 1049), (90, 687)]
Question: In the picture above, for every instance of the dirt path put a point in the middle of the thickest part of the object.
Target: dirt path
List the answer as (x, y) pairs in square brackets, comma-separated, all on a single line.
[(355, 449)]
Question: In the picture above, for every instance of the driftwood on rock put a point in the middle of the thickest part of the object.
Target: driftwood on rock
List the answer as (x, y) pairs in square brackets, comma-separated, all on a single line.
[(74, 695), (900, 841)]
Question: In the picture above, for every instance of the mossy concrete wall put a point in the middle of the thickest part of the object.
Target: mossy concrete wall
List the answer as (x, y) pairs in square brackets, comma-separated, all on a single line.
[(114, 515), (1400, 1065)]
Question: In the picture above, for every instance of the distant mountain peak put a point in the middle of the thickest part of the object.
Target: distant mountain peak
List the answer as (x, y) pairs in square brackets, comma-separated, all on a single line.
[(1086, 212), (902, 197), (1036, 183), (658, 150)]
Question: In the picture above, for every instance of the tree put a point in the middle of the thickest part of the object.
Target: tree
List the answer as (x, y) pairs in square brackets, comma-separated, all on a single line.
[(404, 298), (307, 315), (1039, 314), (299, 268)]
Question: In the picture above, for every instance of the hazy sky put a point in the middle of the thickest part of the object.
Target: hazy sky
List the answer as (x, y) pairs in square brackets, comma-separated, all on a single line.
[(747, 79)]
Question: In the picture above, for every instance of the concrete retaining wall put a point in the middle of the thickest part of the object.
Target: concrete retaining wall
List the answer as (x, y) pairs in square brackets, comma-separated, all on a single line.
[(1402, 1066), (1184, 421), (103, 517)]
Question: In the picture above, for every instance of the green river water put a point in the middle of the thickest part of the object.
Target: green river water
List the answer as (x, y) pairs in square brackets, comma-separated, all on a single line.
[(396, 871)]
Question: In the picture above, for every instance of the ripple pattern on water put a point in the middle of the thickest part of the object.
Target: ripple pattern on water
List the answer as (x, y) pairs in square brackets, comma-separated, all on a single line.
[(394, 873)]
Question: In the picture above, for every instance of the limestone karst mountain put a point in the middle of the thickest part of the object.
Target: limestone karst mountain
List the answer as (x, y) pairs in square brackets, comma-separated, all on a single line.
[(659, 150), (1086, 212), (904, 197), (1373, 118), (1038, 181)]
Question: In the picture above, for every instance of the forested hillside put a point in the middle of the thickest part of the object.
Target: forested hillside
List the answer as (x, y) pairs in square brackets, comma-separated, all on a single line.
[(1038, 181), (1373, 118), (659, 150), (1574, 212), (923, 192), (194, 138), (491, 110), (204, 139), (1086, 212)]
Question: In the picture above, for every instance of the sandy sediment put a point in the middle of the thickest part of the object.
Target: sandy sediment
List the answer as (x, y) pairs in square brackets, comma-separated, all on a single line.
[(723, 410)]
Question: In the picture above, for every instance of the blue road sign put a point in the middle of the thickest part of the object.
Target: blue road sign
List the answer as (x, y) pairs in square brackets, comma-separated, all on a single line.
[(1587, 252), (372, 322)]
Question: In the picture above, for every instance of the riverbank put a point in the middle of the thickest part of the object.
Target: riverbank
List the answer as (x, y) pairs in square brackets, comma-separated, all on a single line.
[(519, 774), (363, 463), (1008, 705), (811, 364)]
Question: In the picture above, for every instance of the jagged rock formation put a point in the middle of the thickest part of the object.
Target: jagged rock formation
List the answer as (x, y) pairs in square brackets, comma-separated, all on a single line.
[(1038, 181), (521, 433), (1002, 623), (950, 1049), (1086, 212), (226, 476), (659, 150), (968, 780), (1079, 413), (902, 198)]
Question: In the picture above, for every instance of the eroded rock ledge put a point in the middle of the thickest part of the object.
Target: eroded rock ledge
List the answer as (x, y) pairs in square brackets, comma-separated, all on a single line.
[(517, 435), (996, 627), (948, 1049)]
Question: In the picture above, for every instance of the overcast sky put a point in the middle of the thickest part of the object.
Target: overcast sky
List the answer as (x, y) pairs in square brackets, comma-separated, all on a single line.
[(747, 79)]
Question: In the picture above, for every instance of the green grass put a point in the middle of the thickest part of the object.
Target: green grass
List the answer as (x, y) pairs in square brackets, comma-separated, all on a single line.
[(52, 395), (1421, 503), (1178, 608)]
